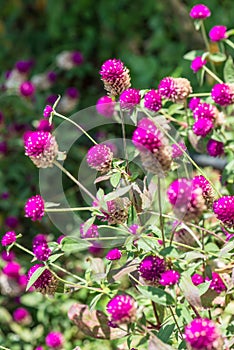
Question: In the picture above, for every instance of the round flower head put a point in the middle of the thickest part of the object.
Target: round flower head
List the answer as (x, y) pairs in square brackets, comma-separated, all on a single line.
[(223, 94), (27, 89), (99, 157), (200, 181), (117, 211), (20, 315), (35, 208), (216, 283), (169, 278), (72, 92), (200, 11), (51, 76), (8, 238), (114, 254), (197, 64), (44, 125), (194, 102), (177, 152), (42, 148), (115, 76), (129, 99), (54, 340), (202, 127), (224, 210), (77, 58), (215, 148), (12, 269), (42, 252), (92, 231), (175, 89), (151, 268), (12, 221), (202, 334), (105, 106), (46, 282), (153, 100), (23, 66), (38, 240), (8, 256), (147, 136), (197, 279), (205, 110), (122, 309), (47, 111), (218, 33), (179, 192)]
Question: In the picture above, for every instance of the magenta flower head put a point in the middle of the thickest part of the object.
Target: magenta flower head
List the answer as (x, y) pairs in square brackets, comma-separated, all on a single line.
[(39, 240), (147, 136), (8, 256), (114, 254), (216, 283), (47, 111), (122, 309), (54, 340), (153, 100), (23, 66), (44, 125), (129, 99), (205, 110), (92, 231), (12, 269), (51, 76), (177, 151), (21, 315), (194, 102), (41, 147), (202, 127), (223, 94), (197, 64), (197, 279), (202, 334), (42, 252), (35, 208), (215, 148), (151, 268), (27, 89), (115, 76), (175, 89), (200, 11), (224, 210), (169, 278), (218, 33), (46, 282), (105, 106), (100, 157), (117, 210), (77, 58), (8, 238), (72, 92)]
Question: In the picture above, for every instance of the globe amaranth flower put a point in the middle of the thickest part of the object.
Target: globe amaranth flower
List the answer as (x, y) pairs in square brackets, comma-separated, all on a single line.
[(35, 208), (200, 11), (77, 58), (205, 110), (153, 100), (218, 33), (8, 256), (21, 315), (202, 334), (115, 76), (27, 89), (151, 268), (47, 111), (42, 251), (117, 211), (201, 182), (175, 89), (224, 210), (114, 254), (12, 269), (223, 94), (129, 99), (69, 59), (215, 148), (122, 309), (197, 63), (105, 106), (169, 278), (46, 283), (8, 238), (24, 66), (202, 127), (92, 231), (54, 340), (194, 102), (44, 125), (216, 284), (177, 150), (42, 148), (100, 157), (197, 279)]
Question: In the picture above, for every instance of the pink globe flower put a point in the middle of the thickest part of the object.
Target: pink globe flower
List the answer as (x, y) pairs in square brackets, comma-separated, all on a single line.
[(105, 106), (21, 315), (216, 283), (47, 111), (197, 64), (202, 127), (151, 268), (77, 58), (92, 231), (8, 256), (179, 192), (200, 11), (54, 340), (224, 210), (46, 282), (218, 33), (24, 66), (223, 94), (44, 125), (177, 151), (99, 157), (72, 92), (215, 148), (42, 252), (12, 221), (114, 254), (175, 89), (147, 136), (35, 208), (153, 100), (38, 240), (194, 102), (122, 309), (27, 89), (202, 334), (169, 278), (197, 279), (12, 269), (129, 99), (205, 110), (8, 238)]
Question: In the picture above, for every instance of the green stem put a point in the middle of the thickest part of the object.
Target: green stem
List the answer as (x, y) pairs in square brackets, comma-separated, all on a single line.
[(54, 210), (213, 75), (24, 249), (77, 125), (200, 94), (74, 179), (124, 137), (175, 320), (160, 212), (204, 36), (156, 314), (230, 43)]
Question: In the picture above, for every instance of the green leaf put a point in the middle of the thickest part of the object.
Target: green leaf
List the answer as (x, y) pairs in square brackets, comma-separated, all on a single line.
[(190, 291), (157, 295), (166, 331), (197, 24), (54, 257), (192, 54), (35, 276), (70, 244), (174, 108), (115, 178), (118, 193), (217, 57), (228, 71), (226, 249), (203, 287)]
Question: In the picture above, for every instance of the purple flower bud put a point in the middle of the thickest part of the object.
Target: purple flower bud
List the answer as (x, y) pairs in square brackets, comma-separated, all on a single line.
[(200, 11), (8, 238), (218, 33), (114, 254)]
